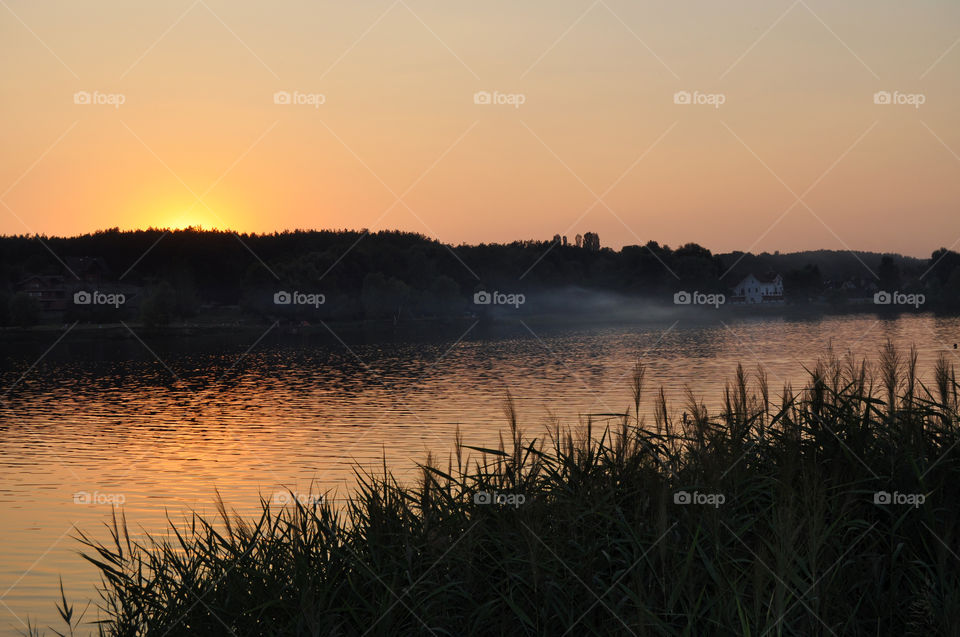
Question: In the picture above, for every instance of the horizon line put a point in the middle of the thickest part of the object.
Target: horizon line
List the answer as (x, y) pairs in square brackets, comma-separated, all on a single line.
[(216, 230)]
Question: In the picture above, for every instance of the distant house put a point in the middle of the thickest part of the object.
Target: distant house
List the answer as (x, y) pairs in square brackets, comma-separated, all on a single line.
[(759, 289), (50, 291), (89, 270), (54, 292)]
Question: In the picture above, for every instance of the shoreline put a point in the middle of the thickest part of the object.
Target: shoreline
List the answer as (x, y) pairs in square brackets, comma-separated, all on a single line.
[(639, 317)]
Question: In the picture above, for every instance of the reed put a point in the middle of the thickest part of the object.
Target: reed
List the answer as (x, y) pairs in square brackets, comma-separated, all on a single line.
[(784, 528)]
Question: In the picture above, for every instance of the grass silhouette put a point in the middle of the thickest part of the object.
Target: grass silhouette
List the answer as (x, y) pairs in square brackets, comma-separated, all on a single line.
[(827, 511)]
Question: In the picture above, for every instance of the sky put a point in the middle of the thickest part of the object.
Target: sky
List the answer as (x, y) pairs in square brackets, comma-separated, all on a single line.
[(742, 125)]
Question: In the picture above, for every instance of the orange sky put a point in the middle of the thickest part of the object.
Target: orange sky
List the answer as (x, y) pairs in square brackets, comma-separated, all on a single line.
[(797, 156)]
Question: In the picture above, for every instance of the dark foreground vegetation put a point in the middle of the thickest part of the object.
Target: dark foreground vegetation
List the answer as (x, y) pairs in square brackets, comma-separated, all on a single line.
[(838, 516)]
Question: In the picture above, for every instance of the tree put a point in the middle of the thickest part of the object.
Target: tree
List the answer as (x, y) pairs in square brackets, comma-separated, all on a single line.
[(889, 273), (591, 241), (950, 295), (24, 310), (443, 296), (804, 283), (158, 306), (382, 297), (4, 309), (185, 292), (943, 263)]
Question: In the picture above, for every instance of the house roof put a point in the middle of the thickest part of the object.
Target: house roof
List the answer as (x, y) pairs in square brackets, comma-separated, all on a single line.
[(87, 265), (769, 277), (50, 280)]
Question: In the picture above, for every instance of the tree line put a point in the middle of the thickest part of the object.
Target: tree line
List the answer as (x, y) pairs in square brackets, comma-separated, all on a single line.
[(397, 275)]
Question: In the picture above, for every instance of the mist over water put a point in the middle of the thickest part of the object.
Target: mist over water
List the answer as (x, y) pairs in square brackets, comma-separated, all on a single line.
[(588, 307)]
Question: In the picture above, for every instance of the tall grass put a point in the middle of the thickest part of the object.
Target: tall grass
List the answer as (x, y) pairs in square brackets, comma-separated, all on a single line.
[(602, 543)]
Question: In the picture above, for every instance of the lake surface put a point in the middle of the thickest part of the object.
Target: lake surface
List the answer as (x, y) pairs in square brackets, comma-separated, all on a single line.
[(160, 424)]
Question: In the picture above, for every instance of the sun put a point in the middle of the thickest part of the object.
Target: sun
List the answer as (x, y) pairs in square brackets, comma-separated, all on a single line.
[(183, 218), (216, 212)]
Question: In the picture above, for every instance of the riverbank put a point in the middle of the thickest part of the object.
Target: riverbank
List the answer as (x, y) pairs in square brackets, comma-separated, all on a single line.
[(646, 315), (762, 516)]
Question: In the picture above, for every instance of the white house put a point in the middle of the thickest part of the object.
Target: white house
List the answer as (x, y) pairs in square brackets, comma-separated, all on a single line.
[(759, 289)]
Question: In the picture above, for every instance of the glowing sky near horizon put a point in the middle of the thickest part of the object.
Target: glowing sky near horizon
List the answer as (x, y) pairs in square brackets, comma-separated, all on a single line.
[(798, 155)]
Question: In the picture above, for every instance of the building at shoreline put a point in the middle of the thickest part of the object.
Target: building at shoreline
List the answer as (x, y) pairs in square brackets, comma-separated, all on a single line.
[(54, 293), (764, 289)]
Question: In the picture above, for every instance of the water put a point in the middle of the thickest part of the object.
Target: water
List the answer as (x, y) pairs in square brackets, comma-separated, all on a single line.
[(162, 424)]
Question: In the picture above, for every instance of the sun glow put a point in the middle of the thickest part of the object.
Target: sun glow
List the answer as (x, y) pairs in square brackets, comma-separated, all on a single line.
[(183, 219), (179, 215)]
